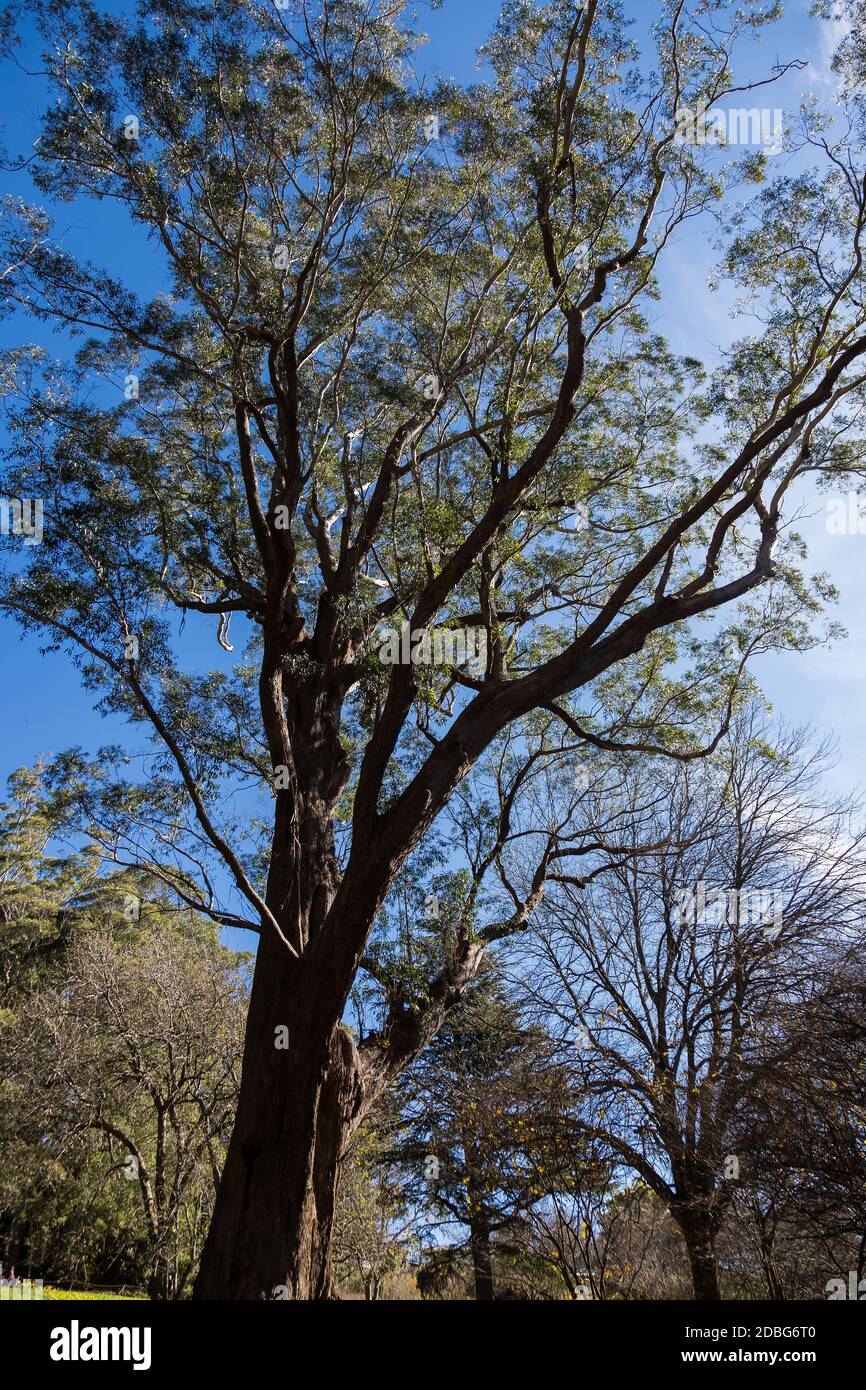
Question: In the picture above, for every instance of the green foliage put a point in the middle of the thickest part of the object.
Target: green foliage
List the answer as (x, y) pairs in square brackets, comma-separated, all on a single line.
[(120, 1049)]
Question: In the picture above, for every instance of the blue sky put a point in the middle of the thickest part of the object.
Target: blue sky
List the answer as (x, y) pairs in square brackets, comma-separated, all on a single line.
[(43, 709)]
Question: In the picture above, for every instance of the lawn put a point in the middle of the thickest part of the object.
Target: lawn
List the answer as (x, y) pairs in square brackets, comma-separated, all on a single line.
[(88, 1295)]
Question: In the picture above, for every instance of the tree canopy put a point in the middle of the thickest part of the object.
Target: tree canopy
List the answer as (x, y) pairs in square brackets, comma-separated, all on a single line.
[(401, 425)]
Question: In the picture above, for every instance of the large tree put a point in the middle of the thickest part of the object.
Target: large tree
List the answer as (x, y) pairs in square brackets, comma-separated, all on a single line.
[(402, 374)]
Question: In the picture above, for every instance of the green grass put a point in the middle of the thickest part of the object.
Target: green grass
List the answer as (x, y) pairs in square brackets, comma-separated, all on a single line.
[(86, 1295)]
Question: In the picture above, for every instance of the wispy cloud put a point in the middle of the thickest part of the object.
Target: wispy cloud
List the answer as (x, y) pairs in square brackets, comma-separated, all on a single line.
[(831, 32)]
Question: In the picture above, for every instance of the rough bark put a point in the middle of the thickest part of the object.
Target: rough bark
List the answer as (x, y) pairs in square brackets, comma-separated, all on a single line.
[(699, 1237), (482, 1264), (270, 1236)]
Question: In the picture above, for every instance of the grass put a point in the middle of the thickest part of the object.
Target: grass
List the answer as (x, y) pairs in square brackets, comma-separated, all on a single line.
[(90, 1295)]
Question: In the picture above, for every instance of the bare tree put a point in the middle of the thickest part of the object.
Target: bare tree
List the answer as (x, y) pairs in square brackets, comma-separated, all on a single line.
[(802, 1128), (661, 973)]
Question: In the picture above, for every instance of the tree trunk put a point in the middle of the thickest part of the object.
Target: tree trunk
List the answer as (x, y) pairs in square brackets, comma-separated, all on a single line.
[(482, 1264), (775, 1290), (160, 1283), (270, 1236), (700, 1245)]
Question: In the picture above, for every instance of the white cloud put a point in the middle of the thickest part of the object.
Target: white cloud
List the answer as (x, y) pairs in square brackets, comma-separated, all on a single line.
[(831, 32)]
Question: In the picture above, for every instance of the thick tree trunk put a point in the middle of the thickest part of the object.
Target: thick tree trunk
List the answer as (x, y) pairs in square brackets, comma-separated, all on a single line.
[(700, 1246), (704, 1274), (482, 1264), (270, 1236)]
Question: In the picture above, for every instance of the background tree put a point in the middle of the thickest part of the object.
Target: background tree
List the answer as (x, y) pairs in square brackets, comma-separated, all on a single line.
[(635, 1250), (374, 1229), (138, 1044), (403, 345), (477, 1109), (43, 896), (659, 974), (804, 1131), (60, 1218)]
